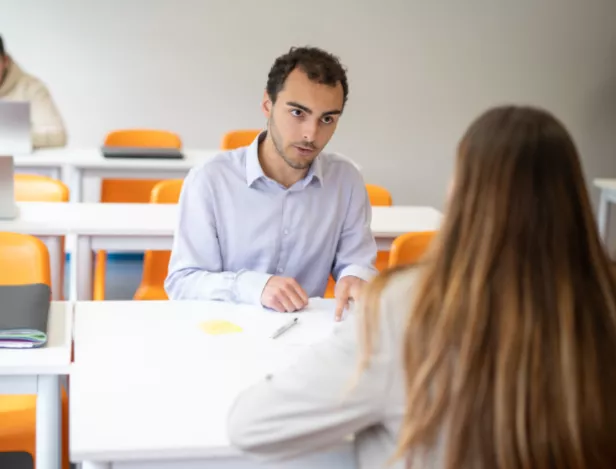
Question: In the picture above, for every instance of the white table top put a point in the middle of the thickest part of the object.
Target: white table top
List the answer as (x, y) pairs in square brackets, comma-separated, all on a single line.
[(92, 158), (40, 218), (609, 184), (54, 358), (148, 369)]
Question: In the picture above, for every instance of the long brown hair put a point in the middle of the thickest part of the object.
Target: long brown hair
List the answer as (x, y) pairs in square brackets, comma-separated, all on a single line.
[(510, 344)]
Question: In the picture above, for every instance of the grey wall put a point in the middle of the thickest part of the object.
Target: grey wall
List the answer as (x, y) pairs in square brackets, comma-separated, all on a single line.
[(419, 70)]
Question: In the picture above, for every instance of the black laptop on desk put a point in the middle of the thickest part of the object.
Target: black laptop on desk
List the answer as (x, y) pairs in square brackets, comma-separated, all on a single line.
[(142, 153)]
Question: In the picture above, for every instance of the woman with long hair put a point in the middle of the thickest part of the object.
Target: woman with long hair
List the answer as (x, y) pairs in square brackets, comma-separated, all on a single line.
[(494, 352)]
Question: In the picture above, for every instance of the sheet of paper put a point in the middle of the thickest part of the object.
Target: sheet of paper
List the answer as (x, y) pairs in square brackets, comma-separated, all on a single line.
[(220, 327)]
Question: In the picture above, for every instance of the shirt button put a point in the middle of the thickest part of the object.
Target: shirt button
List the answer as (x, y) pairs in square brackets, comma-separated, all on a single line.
[(279, 270), (285, 232)]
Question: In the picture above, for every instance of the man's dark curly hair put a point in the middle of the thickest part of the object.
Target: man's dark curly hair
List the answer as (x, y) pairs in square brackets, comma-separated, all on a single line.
[(320, 66), (2, 53)]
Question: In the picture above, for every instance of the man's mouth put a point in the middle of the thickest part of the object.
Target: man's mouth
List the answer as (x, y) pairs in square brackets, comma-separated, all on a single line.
[(304, 150)]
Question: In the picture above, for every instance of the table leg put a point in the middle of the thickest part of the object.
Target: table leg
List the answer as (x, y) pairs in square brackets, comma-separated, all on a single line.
[(76, 185), (55, 173), (48, 423), (383, 244), (81, 270), (54, 246)]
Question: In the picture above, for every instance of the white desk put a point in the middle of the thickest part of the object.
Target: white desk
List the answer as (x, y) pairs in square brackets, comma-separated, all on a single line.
[(608, 196), (139, 227), (38, 371), (150, 389), (76, 165)]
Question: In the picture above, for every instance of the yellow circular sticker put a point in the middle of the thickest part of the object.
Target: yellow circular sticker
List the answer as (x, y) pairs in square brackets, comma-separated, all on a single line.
[(220, 327)]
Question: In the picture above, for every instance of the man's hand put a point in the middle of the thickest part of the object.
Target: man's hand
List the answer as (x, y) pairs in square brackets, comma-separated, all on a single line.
[(284, 295), (347, 288)]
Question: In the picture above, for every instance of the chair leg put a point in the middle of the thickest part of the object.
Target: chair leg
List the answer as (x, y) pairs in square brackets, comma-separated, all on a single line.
[(99, 278)]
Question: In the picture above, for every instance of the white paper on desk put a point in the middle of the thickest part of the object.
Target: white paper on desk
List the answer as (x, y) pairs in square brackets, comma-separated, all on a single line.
[(316, 322)]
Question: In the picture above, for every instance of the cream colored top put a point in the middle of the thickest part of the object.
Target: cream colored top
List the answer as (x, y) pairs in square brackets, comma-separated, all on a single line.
[(47, 126), (310, 406)]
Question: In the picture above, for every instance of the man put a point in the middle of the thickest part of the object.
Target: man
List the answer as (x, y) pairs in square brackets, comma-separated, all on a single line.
[(16, 85), (267, 223)]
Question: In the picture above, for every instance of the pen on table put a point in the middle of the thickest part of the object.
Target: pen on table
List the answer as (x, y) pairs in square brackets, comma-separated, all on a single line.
[(281, 330)]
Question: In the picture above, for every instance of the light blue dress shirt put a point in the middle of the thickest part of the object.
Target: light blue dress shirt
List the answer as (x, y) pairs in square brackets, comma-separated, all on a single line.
[(237, 228)]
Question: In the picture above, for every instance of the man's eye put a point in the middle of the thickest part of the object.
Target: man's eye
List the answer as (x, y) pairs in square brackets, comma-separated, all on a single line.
[(327, 119), (296, 112)]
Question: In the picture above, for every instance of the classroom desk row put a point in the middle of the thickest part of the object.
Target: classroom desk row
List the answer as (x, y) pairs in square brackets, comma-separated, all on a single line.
[(149, 388), (139, 227), (76, 166)]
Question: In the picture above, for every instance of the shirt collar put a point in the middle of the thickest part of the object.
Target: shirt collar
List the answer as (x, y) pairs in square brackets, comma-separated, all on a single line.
[(253, 167), (254, 171)]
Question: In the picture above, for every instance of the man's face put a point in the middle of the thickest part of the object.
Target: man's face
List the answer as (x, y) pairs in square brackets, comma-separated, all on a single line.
[(303, 119)]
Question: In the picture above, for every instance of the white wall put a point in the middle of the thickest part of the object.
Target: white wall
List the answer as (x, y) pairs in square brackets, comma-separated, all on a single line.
[(419, 71)]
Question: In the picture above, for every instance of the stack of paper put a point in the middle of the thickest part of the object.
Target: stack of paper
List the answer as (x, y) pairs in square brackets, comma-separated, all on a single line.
[(22, 338)]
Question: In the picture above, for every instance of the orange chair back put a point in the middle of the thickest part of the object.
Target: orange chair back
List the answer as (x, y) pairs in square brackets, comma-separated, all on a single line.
[(156, 263), (143, 138), (138, 190), (409, 248), (36, 188), (238, 138), (24, 259), (379, 196), (167, 192)]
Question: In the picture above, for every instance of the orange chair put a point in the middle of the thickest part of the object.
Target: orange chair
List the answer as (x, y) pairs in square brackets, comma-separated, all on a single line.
[(379, 197), (24, 259), (409, 248), (129, 191), (238, 138), (156, 263), (36, 188)]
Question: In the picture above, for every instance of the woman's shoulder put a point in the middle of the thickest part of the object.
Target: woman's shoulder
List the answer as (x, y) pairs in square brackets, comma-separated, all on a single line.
[(388, 301), (398, 295)]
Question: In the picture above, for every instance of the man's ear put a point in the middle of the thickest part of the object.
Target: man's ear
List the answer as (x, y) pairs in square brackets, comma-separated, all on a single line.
[(266, 105)]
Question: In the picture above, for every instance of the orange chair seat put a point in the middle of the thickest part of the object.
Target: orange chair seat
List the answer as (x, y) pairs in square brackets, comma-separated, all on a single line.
[(18, 422), (151, 293)]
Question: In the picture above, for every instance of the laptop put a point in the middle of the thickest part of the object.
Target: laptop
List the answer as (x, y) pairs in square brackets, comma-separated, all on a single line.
[(142, 152), (15, 135), (8, 207)]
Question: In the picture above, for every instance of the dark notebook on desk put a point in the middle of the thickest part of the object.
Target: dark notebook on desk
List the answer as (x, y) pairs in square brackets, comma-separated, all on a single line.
[(24, 312), (142, 153)]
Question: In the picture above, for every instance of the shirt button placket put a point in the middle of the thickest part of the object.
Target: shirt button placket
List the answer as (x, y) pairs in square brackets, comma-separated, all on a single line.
[(283, 239)]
